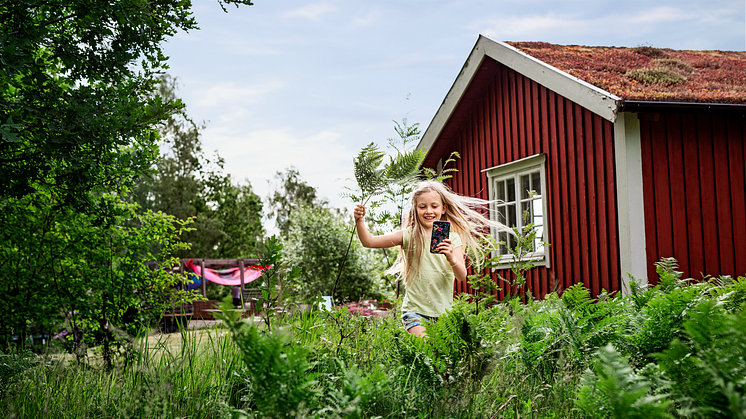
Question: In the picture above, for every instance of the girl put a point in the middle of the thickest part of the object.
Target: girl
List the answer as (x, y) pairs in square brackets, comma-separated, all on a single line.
[(428, 277)]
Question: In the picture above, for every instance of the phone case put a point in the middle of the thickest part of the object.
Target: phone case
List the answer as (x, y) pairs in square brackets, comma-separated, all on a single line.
[(441, 229)]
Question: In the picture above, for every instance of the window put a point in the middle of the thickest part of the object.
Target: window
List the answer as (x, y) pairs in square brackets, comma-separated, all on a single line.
[(517, 193)]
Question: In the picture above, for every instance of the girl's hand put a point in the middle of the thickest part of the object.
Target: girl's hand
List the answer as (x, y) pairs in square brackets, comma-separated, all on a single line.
[(359, 212), (446, 248)]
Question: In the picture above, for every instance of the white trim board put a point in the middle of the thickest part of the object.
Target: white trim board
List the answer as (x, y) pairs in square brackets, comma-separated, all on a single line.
[(630, 200)]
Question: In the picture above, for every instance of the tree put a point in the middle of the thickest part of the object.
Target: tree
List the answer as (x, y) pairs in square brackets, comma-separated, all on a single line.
[(65, 270), (78, 117), (226, 216), (289, 195), (77, 79), (316, 244)]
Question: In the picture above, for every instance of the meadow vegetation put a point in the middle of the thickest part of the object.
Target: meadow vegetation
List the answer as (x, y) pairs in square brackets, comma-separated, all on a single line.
[(674, 350)]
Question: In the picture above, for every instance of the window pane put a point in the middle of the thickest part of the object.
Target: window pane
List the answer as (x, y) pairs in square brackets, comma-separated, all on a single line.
[(502, 239), (538, 211), (538, 244), (512, 220), (536, 182), (511, 242), (526, 215), (500, 186), (525, 186), (501, 214), (510, 185)]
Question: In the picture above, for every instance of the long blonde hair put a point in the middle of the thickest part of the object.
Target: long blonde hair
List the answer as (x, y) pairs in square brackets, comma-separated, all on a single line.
[(465, 216)]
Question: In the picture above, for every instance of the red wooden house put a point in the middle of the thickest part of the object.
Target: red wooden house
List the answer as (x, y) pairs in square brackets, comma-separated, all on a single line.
[(621, 156)]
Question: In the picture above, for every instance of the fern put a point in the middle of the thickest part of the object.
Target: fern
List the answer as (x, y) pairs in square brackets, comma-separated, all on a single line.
[(706, 366), (731, 291), (668, 276), (277, 370), (613, 390)]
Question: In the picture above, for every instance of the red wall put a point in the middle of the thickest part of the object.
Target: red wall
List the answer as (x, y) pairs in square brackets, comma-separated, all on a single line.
[(514, 117), (694, 185)]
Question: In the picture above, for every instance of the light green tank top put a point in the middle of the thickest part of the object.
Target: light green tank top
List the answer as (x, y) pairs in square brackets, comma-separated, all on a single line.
[(431, 291)]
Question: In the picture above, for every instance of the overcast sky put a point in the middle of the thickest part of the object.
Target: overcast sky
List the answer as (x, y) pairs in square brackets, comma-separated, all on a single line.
[(308, 84)]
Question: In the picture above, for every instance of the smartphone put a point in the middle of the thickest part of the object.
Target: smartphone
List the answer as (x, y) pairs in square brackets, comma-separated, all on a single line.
[(441, 229)]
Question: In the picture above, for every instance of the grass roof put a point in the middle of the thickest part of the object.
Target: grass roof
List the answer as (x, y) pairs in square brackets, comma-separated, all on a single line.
[(650, 74)]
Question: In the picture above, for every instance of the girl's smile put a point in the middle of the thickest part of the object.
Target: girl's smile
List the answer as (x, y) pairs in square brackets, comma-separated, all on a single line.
[(429, 208)]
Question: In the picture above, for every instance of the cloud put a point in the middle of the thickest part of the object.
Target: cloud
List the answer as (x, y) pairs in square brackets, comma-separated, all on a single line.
[(223, 94), (323, 158), (366, 19), (414, 59), (311, 11), (556, 25)]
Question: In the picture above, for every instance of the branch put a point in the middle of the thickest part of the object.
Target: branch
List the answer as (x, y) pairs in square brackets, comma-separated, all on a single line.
[(51, 22)]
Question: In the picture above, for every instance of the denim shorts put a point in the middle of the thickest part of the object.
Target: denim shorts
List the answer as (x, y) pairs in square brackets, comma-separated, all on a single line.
[(412, 319)]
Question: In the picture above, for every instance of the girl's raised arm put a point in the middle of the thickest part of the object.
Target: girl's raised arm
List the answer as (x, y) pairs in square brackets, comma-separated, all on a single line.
[(369, 240)]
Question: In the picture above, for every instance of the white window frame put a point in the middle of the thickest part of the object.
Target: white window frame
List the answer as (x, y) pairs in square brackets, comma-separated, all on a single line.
[(514, 170)]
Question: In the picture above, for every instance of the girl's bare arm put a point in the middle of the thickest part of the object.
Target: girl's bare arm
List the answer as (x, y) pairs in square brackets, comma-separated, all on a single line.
[(369, 240)]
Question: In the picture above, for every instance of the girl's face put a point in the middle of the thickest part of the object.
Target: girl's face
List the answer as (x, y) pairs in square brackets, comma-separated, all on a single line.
[(429, 208)]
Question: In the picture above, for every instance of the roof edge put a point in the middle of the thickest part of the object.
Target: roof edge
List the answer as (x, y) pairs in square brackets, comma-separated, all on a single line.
[(655, 106), (585, 94)]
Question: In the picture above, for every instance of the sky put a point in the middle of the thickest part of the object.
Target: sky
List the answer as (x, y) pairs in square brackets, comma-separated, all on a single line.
[(306, 84)]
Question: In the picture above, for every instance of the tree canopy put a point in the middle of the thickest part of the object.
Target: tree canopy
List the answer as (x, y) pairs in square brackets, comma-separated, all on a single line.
[(226, 215), (79, 117)]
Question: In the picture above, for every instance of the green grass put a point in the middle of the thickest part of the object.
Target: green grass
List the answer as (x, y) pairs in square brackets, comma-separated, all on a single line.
[(649, 354)]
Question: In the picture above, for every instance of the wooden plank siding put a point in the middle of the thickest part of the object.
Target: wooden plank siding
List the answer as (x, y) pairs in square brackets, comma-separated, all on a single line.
[(694, 187), (515, 117)]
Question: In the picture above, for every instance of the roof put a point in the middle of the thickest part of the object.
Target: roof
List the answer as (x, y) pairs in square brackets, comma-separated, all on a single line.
[(605, 80), (650, 74)]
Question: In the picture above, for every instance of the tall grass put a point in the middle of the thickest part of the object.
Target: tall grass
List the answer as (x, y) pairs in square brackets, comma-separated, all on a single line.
[(190, 378), (674, 350)]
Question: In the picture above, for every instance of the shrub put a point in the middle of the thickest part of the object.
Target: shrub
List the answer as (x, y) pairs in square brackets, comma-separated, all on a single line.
[(656, 76)]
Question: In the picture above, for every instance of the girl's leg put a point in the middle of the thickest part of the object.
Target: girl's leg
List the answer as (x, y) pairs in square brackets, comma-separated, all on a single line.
[(415, 323), (418, 331)]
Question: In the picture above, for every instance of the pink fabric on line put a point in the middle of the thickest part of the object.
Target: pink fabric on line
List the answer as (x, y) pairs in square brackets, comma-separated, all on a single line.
[(228, 276)]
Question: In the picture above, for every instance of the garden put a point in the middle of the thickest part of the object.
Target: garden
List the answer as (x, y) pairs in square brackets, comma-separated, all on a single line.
[(669, 351)]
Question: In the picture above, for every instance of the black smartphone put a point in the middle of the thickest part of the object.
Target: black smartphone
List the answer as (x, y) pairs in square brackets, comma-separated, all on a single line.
[(441, 229)]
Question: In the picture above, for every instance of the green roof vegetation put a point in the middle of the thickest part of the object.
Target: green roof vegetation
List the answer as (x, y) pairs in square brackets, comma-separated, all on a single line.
[(648, 73)]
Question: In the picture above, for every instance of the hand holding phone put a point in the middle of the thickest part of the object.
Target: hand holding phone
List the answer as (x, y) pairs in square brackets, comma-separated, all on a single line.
[(441, 230)]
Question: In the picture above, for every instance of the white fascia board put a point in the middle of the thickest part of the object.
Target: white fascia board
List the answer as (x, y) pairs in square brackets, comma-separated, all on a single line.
[(584, 94)]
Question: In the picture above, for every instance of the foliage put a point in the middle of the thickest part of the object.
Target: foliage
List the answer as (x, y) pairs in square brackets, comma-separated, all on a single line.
[(76, 103), (568, 356), (274, 278), (81, 274), (192, 378), (731, 291), (13, 364), (289, 196), (705, 366), (78, 113), (316, 246), (480, 281), (226, 216), (613, 390), (519, 257), (405, 167), (663, 76), (277, 371)]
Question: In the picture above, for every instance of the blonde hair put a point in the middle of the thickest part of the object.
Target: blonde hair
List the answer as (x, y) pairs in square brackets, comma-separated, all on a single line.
[(467, 220)]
